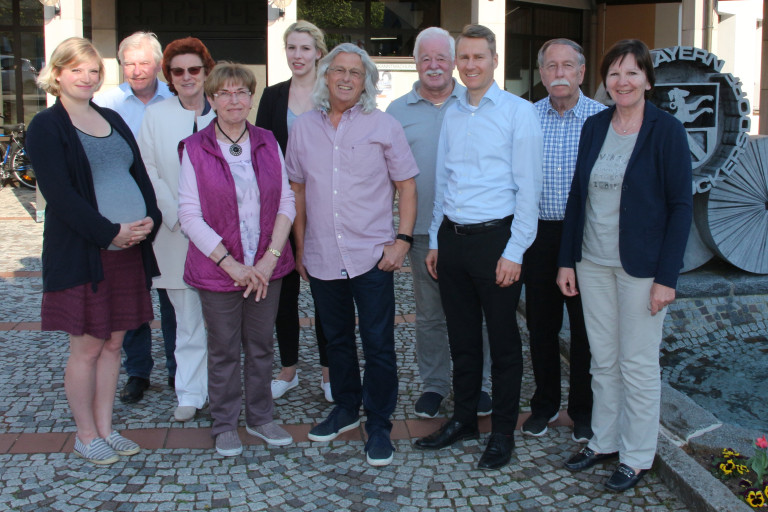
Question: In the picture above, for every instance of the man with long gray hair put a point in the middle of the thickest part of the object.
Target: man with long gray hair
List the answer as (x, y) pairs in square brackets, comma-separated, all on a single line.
[(345, 160), (421, 113)]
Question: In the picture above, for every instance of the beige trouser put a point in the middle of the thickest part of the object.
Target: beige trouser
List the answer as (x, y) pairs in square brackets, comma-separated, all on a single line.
[(191, 348), (624, 339)]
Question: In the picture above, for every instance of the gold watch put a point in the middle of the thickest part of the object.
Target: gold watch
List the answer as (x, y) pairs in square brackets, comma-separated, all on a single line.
[(274, 251)]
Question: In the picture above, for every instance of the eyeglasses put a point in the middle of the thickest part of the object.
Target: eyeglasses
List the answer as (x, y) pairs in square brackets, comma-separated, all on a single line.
[(339, 72), (192, 70), (225, 95)]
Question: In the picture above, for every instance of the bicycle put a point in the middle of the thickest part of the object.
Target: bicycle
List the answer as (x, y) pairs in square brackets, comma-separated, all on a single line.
[(15, 162)]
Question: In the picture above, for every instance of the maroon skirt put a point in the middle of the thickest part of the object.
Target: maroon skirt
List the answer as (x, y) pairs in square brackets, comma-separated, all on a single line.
[(121, 301)]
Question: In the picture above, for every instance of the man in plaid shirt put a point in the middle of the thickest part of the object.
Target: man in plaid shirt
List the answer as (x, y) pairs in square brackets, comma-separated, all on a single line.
[(562, 114)]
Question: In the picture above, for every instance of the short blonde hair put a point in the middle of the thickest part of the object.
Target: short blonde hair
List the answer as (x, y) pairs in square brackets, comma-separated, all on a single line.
[(225, 72), (69, 53), (307, 28)]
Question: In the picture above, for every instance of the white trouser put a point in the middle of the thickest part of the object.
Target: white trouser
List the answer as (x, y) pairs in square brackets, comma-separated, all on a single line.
[(191, 348), (626, 380)]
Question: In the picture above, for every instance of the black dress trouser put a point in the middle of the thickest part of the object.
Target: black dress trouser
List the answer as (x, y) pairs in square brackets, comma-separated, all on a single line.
[(466, 271), (544, 315)]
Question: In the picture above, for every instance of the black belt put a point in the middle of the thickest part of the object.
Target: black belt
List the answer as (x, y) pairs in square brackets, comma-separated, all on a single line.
[(480, 227)]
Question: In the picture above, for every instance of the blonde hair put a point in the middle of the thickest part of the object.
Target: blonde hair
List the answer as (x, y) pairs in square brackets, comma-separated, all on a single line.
[(225, 72), (69, 53), (307, 28)]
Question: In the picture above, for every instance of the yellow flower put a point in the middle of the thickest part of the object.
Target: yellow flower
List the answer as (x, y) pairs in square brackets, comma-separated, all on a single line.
[(728, 453), (727, 467), (742, 469), (755, 499)]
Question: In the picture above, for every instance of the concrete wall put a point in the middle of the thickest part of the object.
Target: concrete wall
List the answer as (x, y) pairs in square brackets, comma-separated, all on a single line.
[(738, 43), (667, 25), (104, 30)]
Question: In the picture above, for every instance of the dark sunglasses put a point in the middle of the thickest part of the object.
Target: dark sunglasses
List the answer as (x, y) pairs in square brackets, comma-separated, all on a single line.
[(193, 70)]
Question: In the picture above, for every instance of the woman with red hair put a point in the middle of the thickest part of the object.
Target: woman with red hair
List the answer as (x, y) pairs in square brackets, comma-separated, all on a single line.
[(186, 64)]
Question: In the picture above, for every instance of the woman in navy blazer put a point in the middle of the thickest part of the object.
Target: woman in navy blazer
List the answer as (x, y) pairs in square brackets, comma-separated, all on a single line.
[(280, 104), (626, 225)]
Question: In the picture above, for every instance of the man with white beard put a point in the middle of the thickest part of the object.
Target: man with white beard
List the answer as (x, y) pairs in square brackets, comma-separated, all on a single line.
[(562, 114)]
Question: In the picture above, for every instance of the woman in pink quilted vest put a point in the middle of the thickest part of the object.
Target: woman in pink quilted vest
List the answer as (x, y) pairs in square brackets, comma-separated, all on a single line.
[(236, 207)]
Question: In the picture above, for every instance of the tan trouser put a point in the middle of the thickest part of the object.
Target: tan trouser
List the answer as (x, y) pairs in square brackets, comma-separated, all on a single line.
[(624, 339)]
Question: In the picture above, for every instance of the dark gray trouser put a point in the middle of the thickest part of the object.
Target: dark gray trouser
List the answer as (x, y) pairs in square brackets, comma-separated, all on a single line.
[(233, 321)]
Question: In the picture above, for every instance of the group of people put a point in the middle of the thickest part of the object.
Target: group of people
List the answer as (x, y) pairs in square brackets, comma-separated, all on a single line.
[(588, 206)]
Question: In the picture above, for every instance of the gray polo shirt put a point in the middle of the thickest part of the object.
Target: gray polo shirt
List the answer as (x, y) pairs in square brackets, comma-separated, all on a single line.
[(422, 121)]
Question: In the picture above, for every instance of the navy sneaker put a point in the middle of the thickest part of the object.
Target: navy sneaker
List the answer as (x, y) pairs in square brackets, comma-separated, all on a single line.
[(428, 404), (485, 404), (379, 450), (337, 422)]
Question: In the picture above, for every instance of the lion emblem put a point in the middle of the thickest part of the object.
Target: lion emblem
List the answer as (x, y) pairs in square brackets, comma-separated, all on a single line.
[(686, 112)]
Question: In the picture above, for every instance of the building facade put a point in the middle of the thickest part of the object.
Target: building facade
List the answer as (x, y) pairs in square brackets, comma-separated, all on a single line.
[(250, 32)]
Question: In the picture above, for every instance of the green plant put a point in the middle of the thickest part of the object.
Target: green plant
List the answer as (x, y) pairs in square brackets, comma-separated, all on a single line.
[(759, 461)]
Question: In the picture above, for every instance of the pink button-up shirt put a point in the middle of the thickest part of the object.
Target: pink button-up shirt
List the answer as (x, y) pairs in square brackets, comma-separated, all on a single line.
[(348, 173)]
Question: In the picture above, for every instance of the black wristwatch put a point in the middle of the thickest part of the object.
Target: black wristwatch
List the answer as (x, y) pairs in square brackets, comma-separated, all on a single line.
[(405, 238)]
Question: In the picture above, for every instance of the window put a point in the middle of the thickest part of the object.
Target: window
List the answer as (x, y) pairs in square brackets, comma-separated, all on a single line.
[(528, 27), (22, 51), (381, 27), (234, 30)]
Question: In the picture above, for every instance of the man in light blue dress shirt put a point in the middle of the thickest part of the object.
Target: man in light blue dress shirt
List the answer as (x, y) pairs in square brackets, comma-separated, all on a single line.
[(487, 187), (421, 113), (562, 114), (140, 56)]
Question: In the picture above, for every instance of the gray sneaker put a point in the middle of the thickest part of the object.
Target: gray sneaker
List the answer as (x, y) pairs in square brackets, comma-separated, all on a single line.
[(96, 452), (272, 433), (228, 444), (121, 445)]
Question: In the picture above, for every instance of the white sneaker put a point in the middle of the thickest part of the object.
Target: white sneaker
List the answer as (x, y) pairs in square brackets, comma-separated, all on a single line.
[(279, 387), (326, 387), (184, 413), (272, 433)]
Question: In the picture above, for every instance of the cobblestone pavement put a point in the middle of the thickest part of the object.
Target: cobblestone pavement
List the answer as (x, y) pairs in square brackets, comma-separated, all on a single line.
[(178, 470)]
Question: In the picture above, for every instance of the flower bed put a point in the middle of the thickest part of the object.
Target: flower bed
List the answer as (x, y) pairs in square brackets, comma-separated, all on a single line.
[(746, 478)]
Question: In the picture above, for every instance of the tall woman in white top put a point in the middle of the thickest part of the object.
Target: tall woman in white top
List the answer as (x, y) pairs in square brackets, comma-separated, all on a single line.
[(186, 63), (280, 105)]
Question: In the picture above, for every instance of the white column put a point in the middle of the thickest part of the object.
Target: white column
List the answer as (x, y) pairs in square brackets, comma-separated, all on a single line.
[(491, 14), (69, 23), (277, 70)]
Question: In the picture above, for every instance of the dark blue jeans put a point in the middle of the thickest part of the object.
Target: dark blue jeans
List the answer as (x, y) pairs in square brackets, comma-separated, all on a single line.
[(374, 295), (137, 343)]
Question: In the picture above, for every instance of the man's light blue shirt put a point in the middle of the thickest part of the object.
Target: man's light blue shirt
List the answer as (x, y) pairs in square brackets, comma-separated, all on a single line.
[(561, 147), (489, 166), (422, 121), (122, 100)]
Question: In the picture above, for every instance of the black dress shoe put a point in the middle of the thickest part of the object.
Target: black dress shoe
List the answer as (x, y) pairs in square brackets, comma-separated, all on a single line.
[(586, 458), (448, 434), (134, 390), (498, 452), (624, 478)]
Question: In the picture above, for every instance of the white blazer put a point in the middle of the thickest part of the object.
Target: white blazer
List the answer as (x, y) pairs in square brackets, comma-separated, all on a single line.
[(165, 124)]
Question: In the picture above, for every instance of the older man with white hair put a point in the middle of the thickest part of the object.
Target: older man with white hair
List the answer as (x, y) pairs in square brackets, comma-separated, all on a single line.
[(345, 161), (140, 56), (421, 113)]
